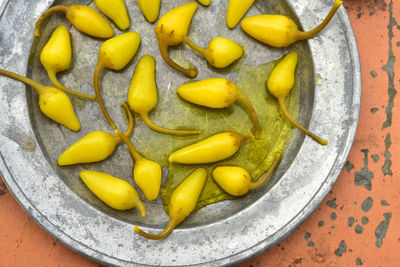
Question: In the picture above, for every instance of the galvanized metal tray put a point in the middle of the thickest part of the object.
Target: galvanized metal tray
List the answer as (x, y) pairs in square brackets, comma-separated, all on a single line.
[(328, 91)]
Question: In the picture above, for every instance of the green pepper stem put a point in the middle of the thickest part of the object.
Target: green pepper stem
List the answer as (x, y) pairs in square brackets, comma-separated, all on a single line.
[(135, 155), (264, 178), (131, 125), (145, 117), (54, 80), (246, 102), (190, 73), (168, 229), (97, 71), (202, 51), (40, 88), (319, 28), (48, 12), (304, 130), (142, 209)]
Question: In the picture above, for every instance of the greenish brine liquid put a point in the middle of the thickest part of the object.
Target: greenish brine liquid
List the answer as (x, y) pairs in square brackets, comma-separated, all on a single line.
[(256, 156)]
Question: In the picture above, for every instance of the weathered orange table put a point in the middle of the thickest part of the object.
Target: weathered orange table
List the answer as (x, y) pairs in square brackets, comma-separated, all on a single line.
[(357, 224)]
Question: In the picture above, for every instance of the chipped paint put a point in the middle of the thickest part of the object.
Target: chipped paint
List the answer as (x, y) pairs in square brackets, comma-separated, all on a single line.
[(331, 203), (359, 262), (373, 73), (389, 68), (321, 223), (359, 229), (388, 157), (367, 204), (364, 176), (381, 229), (341, 249), (333, 216), (364, 220), (374, 110), (350, 221), (384, 203), (349, 166), (375, 157)]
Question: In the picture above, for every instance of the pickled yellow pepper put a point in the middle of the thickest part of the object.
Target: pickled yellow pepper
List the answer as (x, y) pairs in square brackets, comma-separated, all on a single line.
[(171, 30), (279, 30), (236, 181), (53, 102), (146, 173), (95, 146), (218, 93), (280, 82), (56, 57), (182, 202), (220, 53), (212, 149), (84, 18), (236, 10), (116, 11), (115, 54), (142, 96), (205, 2), (150, 9), (115, 192)]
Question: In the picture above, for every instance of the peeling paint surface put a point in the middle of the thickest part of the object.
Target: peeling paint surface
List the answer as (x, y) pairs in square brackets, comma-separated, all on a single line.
[(373, 170)]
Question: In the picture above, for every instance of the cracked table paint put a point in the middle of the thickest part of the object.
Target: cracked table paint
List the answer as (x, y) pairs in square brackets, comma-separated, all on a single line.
[(357, 223)]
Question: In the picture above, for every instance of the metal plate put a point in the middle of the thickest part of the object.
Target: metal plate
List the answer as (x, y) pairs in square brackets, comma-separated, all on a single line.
[(329, 90)]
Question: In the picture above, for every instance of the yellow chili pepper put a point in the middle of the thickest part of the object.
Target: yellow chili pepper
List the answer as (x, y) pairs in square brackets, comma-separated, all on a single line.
[(150, 9), (237, 181), (205, 2), (218, 93), (280, 82), (115, 54), (115, 192), (146, 173), (220, 53), (182, 202), (142, 96), (236, 10), (212, 149), (84, 18), (53, 102), (56, 57), (172, 29), (95, 146), (116, 11), (279, 30)]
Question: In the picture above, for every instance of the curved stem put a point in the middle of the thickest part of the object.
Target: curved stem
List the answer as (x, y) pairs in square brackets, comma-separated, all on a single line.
[(191, 73), (168, 229), (316, 30), (48, 12), (145, 117), (54, 80), (202, 51), (40, 88), (141, 208), (261, 181), (304, 130), (246, 102), (131, 125), (135, 155), (99, 67)]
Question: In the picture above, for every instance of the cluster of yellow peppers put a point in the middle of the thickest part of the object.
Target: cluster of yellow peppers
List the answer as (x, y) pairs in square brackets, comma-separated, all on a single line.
[(115, 53)]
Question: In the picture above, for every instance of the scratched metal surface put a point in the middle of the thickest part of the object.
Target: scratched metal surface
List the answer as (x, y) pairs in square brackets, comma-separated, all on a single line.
[(220, 234)]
